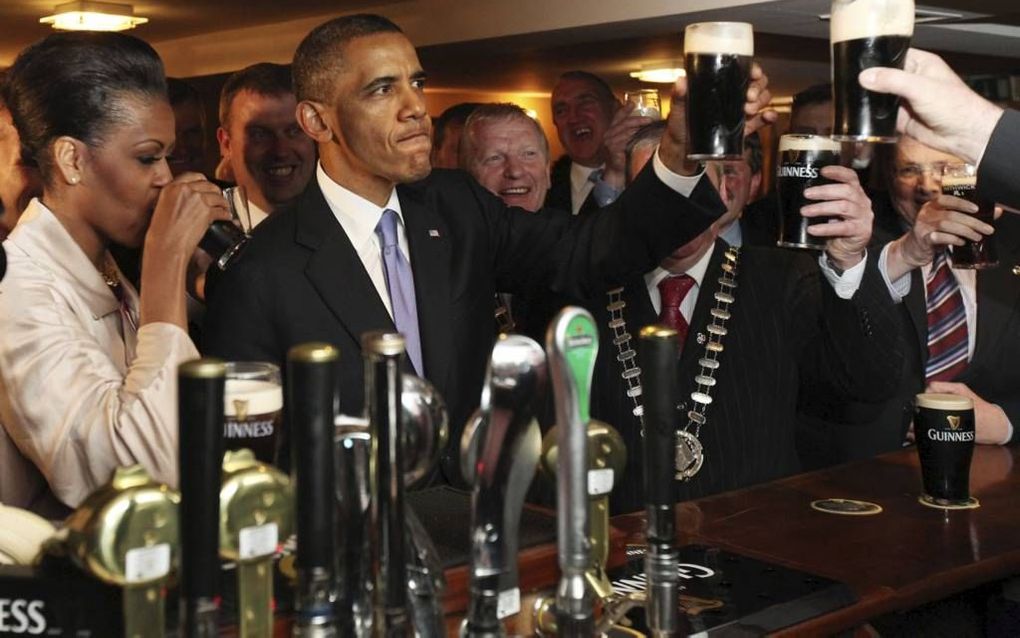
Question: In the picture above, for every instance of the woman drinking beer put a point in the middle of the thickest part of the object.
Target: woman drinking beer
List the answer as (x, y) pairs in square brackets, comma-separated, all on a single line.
[(87, 366)]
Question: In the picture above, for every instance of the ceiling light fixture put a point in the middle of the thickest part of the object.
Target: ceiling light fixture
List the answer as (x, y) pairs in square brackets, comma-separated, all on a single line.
[(83, 15), (665, 75)]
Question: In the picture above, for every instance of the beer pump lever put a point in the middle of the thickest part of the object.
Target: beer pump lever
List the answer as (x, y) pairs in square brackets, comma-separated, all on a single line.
[(571, 345), (500, 452), (657, 346)]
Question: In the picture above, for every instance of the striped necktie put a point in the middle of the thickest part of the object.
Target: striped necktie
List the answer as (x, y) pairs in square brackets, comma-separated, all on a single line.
[(947, 324)]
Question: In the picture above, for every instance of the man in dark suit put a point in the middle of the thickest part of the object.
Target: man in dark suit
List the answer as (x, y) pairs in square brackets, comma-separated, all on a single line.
[(377, 242), (593, 128), (783, 332)]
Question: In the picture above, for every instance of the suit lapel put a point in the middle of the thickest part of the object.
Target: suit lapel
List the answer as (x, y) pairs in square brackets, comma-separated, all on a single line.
[(429, 240), (998, 295), (918, 312), (336, 271)]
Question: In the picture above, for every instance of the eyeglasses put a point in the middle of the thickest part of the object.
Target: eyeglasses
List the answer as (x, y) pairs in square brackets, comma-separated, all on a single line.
[(913, 172)]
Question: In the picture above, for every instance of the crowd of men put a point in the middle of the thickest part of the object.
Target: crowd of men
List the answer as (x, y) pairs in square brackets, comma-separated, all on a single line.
[(373, 215)]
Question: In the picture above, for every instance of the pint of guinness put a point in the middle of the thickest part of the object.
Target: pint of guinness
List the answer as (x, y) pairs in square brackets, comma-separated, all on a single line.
[(801, 159), (944, 429), (252, 403), (718, 64), (867, 33), (960, 180)]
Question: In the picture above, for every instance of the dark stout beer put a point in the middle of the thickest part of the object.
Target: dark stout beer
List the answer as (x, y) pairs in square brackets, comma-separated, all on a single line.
[(253, 403), (718, 64), (944, 429), (801, 159), (960, 180), (867, 33)]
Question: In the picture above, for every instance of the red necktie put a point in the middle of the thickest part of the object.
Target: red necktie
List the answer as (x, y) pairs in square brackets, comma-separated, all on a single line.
[(947, 324), (673, 289)]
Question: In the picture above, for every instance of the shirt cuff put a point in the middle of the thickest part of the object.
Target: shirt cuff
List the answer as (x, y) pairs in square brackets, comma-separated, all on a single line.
[(897, 289), (846, 284), (682, 184)]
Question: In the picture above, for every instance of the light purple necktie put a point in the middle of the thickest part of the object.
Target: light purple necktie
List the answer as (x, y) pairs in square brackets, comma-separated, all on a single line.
[(400, 284)]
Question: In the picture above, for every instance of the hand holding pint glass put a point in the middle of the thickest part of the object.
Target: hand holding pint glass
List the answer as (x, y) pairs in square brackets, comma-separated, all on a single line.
[(253, 403), (865, 34), (718, 63), (801, 160), (960, 180), (944, 430)]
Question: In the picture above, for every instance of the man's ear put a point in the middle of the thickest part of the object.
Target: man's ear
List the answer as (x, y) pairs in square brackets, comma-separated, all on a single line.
[(223, 138), (311, 117), (69, 158), (756, 184)]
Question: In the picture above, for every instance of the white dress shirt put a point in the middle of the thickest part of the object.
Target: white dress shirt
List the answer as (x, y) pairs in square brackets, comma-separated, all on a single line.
[(81, 393), (359, 218), (580, 185)]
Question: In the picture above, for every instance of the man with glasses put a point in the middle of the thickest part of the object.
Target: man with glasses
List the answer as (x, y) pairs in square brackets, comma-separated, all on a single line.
[(961, 328)]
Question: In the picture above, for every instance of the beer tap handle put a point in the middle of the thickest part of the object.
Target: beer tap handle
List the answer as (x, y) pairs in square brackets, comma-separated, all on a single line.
[(572, 345), (200, 410), (658, 351), (504, 465), (310, 405)]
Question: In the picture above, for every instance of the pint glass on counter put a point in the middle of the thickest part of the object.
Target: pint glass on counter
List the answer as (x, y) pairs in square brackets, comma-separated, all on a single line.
[(960, 180), (867, 33), (253, 404), (718, 64), (944, 429), (801, 159)]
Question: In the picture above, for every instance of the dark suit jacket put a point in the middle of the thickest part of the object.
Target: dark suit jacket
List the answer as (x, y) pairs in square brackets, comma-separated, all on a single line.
[(559, 195), (997, 171), (789, 333), (300, 279), (840, 433)]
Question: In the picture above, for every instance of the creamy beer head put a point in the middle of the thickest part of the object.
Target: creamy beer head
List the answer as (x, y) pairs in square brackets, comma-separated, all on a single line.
[(940, 401), (736, 38), (858, 19), (251, 397), (800, 142)]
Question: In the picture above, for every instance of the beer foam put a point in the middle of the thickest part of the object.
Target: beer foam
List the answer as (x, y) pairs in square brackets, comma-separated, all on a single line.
[(263, 397), (808, 143), (856, 19), (938, 401), (719, 37), (955, 181)]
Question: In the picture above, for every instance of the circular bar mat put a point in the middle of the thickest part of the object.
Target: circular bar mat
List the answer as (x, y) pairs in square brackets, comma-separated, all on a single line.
[(846, 507), (940, 504)]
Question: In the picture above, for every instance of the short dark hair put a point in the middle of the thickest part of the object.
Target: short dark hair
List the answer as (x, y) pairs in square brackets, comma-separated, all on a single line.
[(601, 86), (456, 114), (262, 78), (74, 84), (500, 112), (817, 94), (319, 57), (178, 91)]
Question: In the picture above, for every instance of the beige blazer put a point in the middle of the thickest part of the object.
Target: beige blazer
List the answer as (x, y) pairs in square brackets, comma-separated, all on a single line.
[(81, 393)]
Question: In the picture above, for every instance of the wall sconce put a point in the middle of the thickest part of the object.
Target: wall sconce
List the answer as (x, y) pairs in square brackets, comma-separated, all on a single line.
[(663, 75), (83, 15)]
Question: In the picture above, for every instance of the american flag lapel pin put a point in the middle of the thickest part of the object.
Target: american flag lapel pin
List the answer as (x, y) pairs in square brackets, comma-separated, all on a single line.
[(433, 233)]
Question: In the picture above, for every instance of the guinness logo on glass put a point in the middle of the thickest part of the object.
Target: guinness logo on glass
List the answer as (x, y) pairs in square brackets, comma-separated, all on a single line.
[(241, 409), (954, 421)]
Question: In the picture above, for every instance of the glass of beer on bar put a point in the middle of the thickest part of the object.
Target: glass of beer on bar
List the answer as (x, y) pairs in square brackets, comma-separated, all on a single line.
[(960, 180), (867, 33), (717, 57), (801, 159), (944, 430), (253, 403)]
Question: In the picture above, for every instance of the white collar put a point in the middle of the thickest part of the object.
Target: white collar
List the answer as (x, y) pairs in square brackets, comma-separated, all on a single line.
[(358, 216)]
